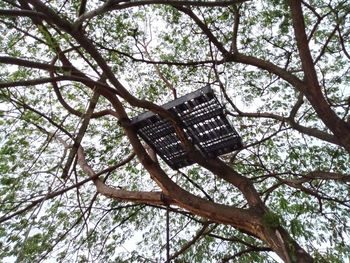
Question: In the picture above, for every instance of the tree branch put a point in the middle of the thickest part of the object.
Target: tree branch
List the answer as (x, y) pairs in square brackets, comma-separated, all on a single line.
[(331, 35), (81, 133), (32, 82), (82, 8), (325, 176), (204, 28), (341, 39), (25, 13), (118, 5), (313, 91), (245, 251), (155, 198), (33, 64), (236, 22), (71, 109), (157, 62), (193, 240)]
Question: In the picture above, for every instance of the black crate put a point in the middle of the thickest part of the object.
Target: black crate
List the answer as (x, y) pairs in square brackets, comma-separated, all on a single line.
[(204, 122)]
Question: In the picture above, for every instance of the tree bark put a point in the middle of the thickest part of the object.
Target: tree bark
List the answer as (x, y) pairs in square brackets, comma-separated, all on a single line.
[(313, 91)]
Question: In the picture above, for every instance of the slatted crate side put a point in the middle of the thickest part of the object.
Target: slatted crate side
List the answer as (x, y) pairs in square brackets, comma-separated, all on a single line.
[(204, 122)]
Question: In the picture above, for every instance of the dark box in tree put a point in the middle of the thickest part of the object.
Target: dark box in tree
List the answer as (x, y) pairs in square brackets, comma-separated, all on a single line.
[(203, 120)]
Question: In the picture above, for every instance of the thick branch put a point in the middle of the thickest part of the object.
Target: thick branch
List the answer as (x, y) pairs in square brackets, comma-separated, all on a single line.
[(81, 133), (313, 90), (31, 82), (204, 28), (82, 7), (32, 64), (118, 5), (26, 13), (324, 175), (236, 22)]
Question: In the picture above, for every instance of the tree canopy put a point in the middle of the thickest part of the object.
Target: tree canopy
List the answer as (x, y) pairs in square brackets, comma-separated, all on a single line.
[(77, 184)]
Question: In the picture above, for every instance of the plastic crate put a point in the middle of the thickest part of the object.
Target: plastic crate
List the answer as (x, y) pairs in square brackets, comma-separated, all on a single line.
[(204, 122)]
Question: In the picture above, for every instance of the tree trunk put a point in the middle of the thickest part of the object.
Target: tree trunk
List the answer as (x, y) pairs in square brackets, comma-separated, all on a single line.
[(292, 253)]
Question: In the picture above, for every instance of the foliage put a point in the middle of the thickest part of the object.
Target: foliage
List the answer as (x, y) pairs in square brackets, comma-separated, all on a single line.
[(292, 119)]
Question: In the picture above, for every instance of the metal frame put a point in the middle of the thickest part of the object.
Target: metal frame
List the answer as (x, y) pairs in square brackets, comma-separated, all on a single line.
[(204, 122)]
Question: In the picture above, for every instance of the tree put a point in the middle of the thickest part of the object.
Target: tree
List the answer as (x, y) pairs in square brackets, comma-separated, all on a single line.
[(77, 183)]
